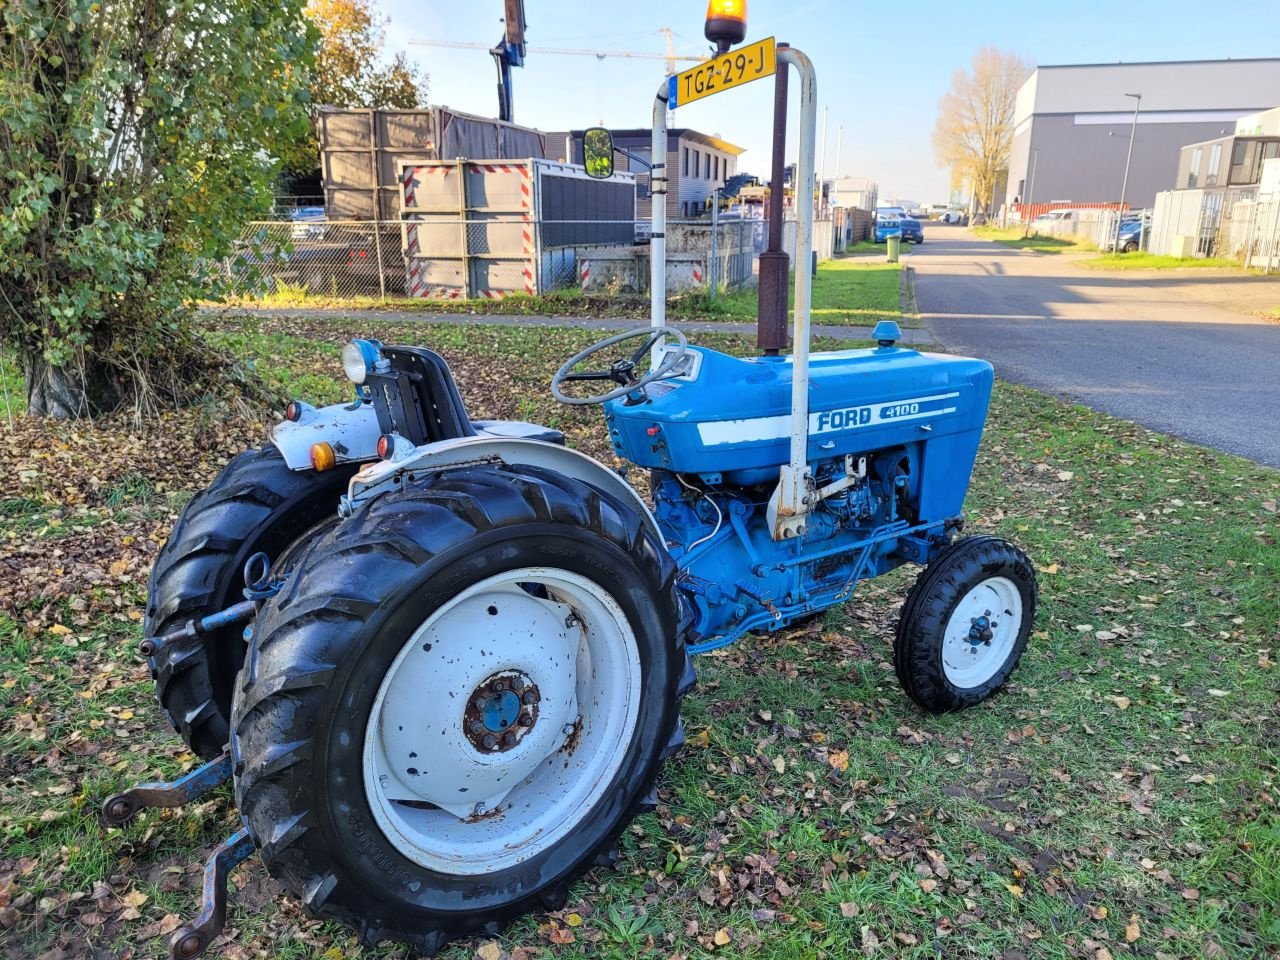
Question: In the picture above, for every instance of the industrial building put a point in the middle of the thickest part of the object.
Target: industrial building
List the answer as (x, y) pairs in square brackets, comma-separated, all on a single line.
[(1072, 124)]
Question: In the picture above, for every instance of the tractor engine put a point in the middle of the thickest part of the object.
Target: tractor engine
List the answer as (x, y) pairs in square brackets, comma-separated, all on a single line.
[(892, 438)]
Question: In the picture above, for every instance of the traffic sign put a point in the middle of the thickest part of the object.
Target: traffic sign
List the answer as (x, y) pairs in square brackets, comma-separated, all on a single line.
[(723, 72)]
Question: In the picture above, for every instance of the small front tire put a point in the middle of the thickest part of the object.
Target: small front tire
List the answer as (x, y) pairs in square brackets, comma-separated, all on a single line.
[(965, 624)]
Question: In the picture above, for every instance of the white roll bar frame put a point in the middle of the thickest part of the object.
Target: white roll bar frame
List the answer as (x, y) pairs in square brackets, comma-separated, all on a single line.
[(794, 494)]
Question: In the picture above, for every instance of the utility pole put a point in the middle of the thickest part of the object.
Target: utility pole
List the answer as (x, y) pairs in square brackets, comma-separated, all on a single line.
[(1124, 184), (1031, 189), (822, 161)]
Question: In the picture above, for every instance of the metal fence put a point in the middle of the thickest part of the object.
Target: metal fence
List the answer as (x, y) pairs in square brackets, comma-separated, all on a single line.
[(1095, 226), (494, 257), (1252, 234)]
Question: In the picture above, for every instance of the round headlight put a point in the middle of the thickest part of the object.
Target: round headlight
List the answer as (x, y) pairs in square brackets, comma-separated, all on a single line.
[(358, 358)]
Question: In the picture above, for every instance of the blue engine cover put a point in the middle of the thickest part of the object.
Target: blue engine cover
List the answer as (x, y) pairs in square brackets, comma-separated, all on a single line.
[(728, 419)]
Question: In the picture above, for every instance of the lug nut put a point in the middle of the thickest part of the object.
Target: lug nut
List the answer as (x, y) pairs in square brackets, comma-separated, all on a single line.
[(499, 685), (476, 727), (478, 703), (509, 738), (526, 721), (529, 698), (489, 741)]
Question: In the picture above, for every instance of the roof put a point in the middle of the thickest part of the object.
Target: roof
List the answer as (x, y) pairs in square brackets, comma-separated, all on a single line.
[(683, 133), (1155, 63)]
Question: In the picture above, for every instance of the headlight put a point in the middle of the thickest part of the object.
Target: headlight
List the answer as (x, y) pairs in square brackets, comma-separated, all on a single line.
[(358, 358)]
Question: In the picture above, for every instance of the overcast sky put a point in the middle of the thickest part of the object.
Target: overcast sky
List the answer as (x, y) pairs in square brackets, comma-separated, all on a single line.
[(881, 65)]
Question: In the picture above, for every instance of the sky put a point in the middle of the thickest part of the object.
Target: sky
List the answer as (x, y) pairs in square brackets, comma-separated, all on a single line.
[(881, 66)]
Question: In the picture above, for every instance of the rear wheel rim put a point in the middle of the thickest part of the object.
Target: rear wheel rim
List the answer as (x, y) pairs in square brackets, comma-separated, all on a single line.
[(503, 721), (982, 632)]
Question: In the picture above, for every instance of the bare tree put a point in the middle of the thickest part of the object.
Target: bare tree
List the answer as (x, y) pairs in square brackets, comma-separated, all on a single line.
[(974, 129)]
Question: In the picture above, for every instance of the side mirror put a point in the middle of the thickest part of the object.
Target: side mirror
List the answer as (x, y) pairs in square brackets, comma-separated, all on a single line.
[(597, 153)]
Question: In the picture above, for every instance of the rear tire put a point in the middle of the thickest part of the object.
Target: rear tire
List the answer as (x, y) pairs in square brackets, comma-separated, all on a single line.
[(320, 699), (256, 504), (965, 624)]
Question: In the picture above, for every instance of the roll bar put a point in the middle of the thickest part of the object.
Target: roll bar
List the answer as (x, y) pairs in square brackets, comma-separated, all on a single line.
[(791, 499)]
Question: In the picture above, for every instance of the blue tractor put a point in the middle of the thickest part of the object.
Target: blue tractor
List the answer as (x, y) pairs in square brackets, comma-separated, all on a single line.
[(442, 659)]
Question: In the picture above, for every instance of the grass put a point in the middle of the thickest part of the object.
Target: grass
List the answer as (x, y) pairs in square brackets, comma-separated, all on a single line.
[(1013, 237), (845, 291), (1118, 799), (1140, 260)]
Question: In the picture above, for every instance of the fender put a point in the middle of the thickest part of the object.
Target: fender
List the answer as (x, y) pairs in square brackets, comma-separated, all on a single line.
[(382, 476), (350, 428)]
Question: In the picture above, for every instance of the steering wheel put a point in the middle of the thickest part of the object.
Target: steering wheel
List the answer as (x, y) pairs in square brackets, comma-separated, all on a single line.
[(622, 371)]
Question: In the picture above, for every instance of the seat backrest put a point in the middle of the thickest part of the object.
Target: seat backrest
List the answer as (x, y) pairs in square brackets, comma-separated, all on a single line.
[(417, 398)]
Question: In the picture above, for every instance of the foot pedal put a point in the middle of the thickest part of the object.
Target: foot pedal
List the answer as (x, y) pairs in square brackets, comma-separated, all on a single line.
[(190, 941), (123, 807)]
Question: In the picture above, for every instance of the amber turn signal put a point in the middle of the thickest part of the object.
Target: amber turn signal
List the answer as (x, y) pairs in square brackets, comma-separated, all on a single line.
[(322, 457)]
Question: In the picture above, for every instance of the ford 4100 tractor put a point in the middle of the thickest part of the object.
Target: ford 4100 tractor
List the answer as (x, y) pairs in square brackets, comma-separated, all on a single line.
[(442, 659)]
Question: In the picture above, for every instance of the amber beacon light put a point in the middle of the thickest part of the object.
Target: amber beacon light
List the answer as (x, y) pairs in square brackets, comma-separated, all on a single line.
[(726, 23)]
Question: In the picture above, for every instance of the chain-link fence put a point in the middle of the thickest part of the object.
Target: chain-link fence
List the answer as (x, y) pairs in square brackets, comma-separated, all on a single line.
[(484, 257)]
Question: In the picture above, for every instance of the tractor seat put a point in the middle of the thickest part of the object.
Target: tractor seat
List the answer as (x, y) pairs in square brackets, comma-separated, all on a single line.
[(418, 399)]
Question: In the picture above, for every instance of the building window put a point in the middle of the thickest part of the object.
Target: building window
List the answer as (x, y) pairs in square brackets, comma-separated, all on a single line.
[(1194, 174), (1215, 161), (707, 174), (717, 168), (686, 161)]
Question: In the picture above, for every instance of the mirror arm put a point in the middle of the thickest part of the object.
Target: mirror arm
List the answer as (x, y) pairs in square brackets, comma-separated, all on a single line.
[(633, 158)]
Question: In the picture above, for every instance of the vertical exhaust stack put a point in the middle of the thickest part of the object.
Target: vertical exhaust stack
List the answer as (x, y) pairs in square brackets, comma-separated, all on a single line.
[(775, 265)]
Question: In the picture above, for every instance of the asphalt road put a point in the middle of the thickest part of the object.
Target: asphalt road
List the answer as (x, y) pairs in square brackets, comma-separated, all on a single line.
[(1143, 348)]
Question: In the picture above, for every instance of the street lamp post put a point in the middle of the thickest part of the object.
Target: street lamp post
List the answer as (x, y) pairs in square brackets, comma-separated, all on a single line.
[(1124, 185), (1031, 189)]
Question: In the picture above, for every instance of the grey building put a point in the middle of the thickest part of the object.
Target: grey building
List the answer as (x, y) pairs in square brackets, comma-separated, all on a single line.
[(697, 163), (1073, 121)]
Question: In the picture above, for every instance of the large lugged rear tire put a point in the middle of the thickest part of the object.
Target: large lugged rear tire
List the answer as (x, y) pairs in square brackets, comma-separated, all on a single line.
[(965, 624), (374, 763), (256, 504)]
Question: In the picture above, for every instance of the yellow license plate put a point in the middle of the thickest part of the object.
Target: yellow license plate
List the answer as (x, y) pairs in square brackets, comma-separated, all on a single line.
[(723, 72)]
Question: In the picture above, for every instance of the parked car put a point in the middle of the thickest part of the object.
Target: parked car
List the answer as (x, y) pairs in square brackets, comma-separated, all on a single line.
[(912, 230), (308, 223), (891, 212), (1053, 216), (886, 227), (1129, 238)]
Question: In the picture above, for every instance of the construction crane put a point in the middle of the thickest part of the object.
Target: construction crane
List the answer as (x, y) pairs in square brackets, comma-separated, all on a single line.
[(670, 56)]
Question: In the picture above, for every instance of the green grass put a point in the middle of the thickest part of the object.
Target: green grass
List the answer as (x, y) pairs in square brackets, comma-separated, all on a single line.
[(1139, 260), (846, 291), (1013, 237), (1129, 771)]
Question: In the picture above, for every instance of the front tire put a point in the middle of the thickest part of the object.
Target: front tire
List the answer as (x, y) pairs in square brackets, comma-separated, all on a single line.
[(965, 624), (458, 702), (256, 504)]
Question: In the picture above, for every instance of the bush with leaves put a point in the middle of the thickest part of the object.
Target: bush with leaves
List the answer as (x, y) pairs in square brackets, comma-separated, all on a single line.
[(136, 137)]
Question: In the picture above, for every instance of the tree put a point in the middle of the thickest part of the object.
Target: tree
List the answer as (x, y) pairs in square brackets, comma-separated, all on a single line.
[(135, 139), (974, 130), (347, 71)]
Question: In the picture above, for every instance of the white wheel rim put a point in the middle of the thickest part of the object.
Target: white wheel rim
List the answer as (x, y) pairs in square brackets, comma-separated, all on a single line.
[(458, 807), (969, 656)]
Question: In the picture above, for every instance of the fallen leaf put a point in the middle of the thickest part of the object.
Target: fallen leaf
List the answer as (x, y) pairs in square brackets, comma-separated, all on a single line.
[(849, 909), (928, 884), (839, 759), (779, 764), (1133, 931), (574, 919), (722, 937), (1121, 702), (489, 950)]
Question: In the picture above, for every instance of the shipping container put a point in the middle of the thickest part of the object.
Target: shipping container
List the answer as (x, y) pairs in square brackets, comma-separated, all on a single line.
[(490, 228), (362, 151)]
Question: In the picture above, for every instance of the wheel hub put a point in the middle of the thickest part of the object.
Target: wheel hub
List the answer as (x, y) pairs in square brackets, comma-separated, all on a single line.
[(501, 711), (982, 629)]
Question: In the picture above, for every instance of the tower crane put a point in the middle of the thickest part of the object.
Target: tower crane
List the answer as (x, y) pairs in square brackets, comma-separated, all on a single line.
[(511, 50)]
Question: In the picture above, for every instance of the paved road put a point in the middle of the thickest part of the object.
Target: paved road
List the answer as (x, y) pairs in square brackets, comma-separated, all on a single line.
[(1147, 349)]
